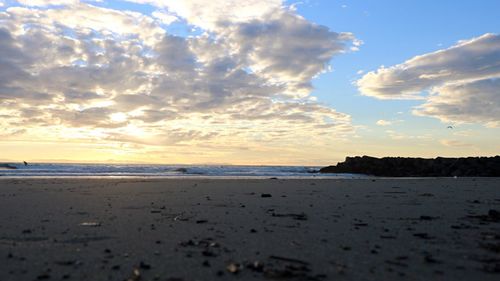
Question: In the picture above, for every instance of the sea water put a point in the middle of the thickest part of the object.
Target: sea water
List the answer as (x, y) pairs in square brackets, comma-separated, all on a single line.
[(151, 170)]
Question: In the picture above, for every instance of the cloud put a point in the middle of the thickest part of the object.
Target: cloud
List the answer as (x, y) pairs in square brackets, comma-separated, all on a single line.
[(403, 136), (384, 122), (10, 133), (86, 72), (272, 40), (79, 23), (208, 14), (285, 48), (459, 84), (474, 102), (164, 17), (42, 3), (455, 143)]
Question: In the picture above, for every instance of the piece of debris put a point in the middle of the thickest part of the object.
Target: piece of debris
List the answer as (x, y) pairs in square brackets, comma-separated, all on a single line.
[(289, 260), (300, 216)]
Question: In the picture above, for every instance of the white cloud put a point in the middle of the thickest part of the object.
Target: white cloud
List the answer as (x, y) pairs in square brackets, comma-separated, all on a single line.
[(209, 14), (468, 60), (459, 84), (41, 3), (382, 122), (164, 17), (285, 49), (268, 37), (455, 143), (403, 136), (119, 74), (85, 19)]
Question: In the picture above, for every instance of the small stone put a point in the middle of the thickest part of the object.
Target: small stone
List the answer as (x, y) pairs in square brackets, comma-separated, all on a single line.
[(423, 236), (208, 253), (144, 265), (233, 268), (43, 276), (430, 259)]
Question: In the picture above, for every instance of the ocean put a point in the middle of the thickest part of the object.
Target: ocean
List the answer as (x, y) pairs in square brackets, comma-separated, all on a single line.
[(151, 170)]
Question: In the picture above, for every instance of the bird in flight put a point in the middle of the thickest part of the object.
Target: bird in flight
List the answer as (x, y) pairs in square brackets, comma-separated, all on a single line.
[(450, 127)]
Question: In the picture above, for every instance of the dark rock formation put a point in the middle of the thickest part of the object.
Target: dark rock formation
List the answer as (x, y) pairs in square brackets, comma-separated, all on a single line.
[(418, 167)]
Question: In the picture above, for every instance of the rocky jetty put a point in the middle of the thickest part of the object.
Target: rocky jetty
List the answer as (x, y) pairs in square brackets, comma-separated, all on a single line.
[(418, 167)]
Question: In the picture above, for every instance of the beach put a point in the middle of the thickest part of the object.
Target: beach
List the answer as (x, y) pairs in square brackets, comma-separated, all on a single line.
[(249, 229)]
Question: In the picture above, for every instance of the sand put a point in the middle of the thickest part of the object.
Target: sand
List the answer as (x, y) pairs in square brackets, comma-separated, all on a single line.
[(252, 229)]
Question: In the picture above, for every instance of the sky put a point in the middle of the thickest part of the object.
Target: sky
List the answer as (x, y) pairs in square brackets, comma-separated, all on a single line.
[(261, 82)]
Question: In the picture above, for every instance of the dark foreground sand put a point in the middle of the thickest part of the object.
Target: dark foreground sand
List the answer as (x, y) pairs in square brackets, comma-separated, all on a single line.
[(199, 229)]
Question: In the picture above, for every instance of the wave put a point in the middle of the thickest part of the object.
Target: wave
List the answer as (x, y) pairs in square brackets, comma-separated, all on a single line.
[(54, 169)]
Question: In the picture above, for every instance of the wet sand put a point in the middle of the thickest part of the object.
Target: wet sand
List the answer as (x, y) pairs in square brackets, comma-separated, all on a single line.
[(223, 229)]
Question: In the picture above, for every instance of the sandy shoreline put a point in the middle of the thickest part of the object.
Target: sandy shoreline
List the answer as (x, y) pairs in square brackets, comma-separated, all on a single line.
[(202, 229)]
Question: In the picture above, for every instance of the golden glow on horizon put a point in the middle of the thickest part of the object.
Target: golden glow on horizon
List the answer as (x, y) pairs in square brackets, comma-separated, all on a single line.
[(273, 154)]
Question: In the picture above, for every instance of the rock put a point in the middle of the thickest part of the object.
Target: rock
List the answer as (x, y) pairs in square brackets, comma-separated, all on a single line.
[(418, 167), (144, 265), (233, 268), (43, 276)]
